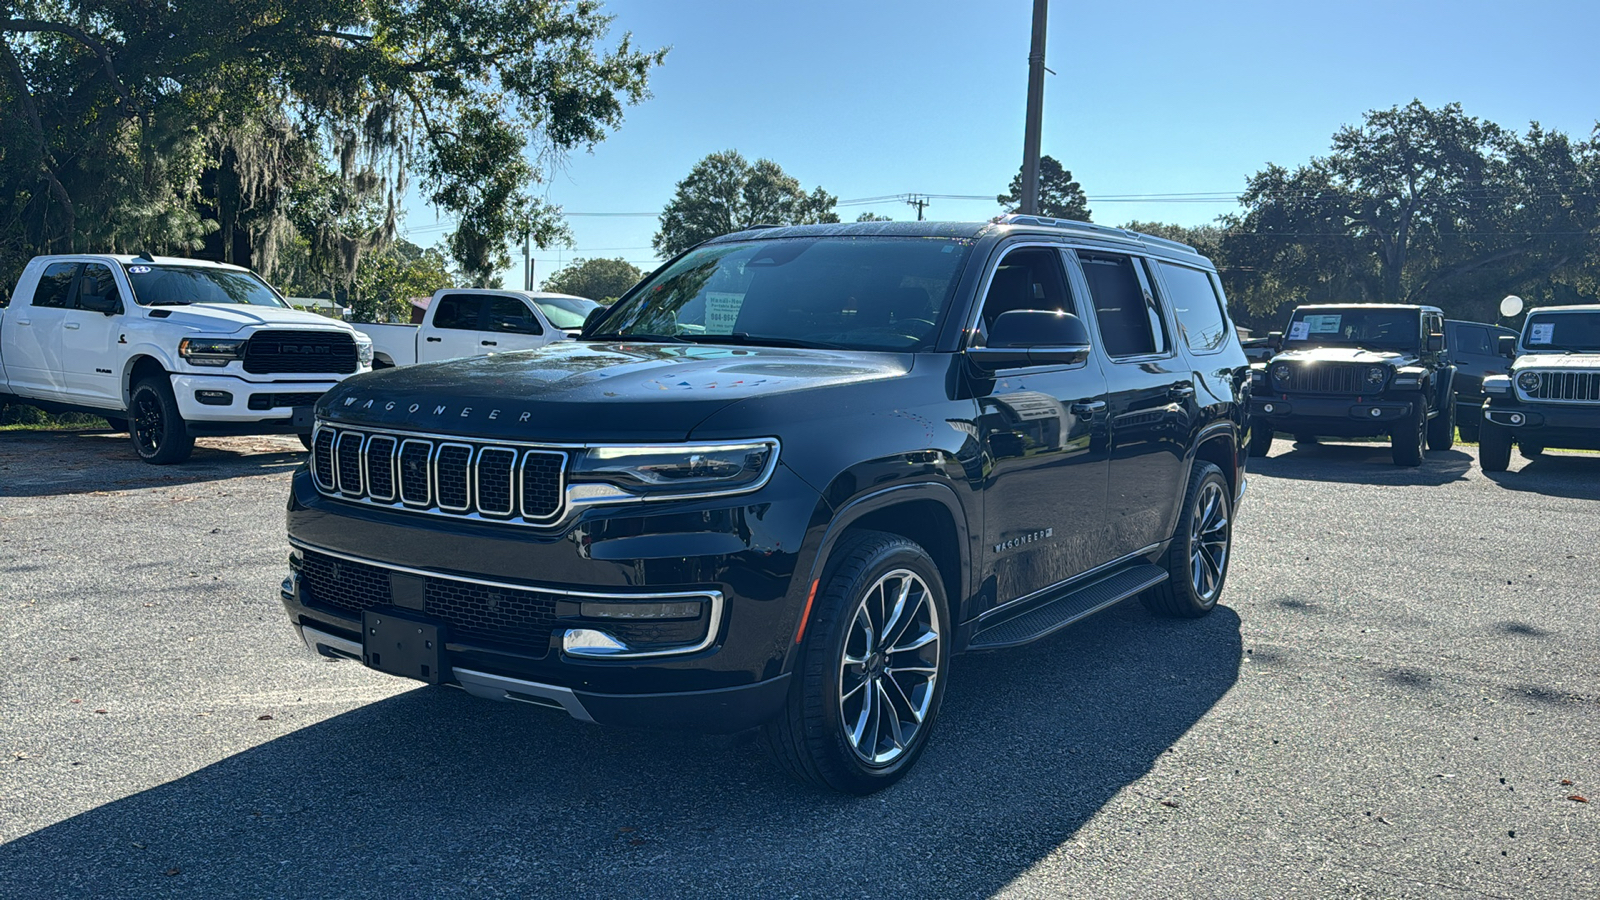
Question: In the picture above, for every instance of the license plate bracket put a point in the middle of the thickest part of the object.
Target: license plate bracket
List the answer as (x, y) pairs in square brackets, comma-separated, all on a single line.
[(303, 417), (404, 646)]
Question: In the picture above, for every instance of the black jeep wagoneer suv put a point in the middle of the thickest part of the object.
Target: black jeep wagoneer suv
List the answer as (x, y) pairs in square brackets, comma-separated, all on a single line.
[(784, 479)]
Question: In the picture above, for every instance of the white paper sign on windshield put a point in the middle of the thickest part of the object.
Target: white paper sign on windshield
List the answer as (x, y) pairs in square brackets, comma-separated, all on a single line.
[(1542, 333), (1323, 324), (722, 310), (1298, 330)]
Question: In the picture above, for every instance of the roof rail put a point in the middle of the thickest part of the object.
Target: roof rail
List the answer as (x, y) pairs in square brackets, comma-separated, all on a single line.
[(1106, 231)]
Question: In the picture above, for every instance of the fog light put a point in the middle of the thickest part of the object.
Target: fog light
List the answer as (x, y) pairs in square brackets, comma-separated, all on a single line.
[(1515, 418), (1376, 412), (1267, 407), (214, 398), (588, 642)]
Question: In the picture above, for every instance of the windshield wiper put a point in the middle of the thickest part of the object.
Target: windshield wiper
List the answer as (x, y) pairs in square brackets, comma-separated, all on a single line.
[(641, 338), (760, 340), (168, 303)]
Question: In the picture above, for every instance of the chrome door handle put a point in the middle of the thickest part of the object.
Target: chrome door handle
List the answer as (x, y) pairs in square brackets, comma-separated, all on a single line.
[(1088, 407), (71, 326), (1181, 391)]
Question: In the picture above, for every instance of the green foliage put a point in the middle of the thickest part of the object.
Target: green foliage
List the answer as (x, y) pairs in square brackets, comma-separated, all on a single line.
[(240, 127), (873, 217), (602, 280), (386, 282), (1421, 205), (725, 193), (1059, 196)]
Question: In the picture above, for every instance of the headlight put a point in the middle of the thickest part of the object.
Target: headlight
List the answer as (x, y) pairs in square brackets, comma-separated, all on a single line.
[(1280, 372), (1528, 381), (363, 350), (1376, 374), (210, 351), (679, 470)]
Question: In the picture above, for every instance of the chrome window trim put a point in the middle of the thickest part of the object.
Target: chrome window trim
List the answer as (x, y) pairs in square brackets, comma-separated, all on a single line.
[(714, 597), (438, 491), (427, 500), (513, 481), (394, 464)]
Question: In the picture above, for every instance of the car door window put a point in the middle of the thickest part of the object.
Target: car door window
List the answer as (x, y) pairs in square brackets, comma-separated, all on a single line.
[(55, 286), (1197, 305), (1130, 321), (508, 315), (1471, 340), (459, 312), (97, 281), (1027, 278)]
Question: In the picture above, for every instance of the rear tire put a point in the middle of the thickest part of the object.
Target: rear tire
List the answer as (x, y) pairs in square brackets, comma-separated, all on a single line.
[(155, 427), (1494, 447), (1468, 429), (1409, 437), (1530, 451), (1197, 560), (1260, 438), (871, 673), (1442, 427)]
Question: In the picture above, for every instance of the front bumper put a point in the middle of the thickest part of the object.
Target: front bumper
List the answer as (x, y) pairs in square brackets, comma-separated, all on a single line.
[(1575, 426), (1354, 416), (228, 402)]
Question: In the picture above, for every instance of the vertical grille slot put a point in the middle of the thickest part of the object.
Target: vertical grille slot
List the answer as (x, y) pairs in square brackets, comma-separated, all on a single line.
[(322, 459), (380, 467), (453, 476), (415, 461), (349, 452), (1567, 387), (1324, 378), (496, 481), (542, 484)]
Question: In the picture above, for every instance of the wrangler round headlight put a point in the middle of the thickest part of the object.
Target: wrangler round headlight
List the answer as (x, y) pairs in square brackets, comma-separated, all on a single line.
[(1376, 374), (1528, 381), (1280, 372)]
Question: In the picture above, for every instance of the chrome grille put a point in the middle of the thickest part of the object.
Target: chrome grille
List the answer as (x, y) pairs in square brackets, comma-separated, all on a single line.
[(1327, 378), (1565, 386), (466, 478)]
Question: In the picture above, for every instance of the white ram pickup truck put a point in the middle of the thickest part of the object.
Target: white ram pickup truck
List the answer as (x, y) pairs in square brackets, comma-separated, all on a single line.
[(169, 349), (476, 322)]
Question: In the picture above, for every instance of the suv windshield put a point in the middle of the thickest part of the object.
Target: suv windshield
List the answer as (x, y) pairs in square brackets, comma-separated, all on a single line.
[(857, 293), (169, 285), (565, 312), (1393, 329), (1578, 332)]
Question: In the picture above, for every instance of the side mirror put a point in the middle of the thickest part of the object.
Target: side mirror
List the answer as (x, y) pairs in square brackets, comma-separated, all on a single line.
[(106, 304), (594, 316), (1507, 345), (1032, 337), (1435, 342), (1275, 341)]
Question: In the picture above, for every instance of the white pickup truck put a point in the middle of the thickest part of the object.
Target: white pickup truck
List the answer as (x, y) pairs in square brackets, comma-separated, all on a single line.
[(169, 349), (476, 322)]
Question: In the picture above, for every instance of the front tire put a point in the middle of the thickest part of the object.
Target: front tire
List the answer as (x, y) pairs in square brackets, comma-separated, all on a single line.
[(871, 673), (1410, 437), (1494, 447), (1260, 438), (1197, 560), (1442, 427), (1469, 428), (157, 430)]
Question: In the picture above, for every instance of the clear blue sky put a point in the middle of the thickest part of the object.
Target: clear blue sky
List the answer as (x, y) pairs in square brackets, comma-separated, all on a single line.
[(877, 97)]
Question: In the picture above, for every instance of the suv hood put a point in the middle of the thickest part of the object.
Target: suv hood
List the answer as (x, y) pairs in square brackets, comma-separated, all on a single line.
[(227, 318), (572, 392), (1347, 355), (1556, 361)]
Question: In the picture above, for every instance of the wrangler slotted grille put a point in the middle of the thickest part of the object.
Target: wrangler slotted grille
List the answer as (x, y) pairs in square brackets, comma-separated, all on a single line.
[(1327, 378), (1567, 387), (300, 351), (476, 612), (474, 479)]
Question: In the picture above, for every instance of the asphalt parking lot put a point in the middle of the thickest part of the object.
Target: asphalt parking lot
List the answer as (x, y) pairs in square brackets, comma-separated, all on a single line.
[(1398, 699)]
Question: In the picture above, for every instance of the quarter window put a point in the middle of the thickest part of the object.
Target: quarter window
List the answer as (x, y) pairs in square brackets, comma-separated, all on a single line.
[(1130, 321), (55, 286), (1197, 306)]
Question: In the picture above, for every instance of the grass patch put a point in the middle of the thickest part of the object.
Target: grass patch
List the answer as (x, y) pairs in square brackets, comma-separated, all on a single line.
[(22, 417)]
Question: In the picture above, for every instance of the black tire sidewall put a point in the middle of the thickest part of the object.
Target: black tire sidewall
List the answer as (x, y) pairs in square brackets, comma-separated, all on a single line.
[(174, 444), (1442, 427), (1176, 596), (1494, 448), (1410, 442)]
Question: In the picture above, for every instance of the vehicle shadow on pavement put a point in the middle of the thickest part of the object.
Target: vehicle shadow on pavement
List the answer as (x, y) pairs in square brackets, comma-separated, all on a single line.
[(1359, 464), (434, 793), (1554, 474), (52, 463)]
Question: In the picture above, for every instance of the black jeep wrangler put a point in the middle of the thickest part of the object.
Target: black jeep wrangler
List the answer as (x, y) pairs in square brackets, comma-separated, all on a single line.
[(785, 479), (1358, 370)]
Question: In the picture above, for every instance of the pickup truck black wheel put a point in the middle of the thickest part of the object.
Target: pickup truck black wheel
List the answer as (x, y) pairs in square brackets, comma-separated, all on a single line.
[(1442, 427), (1410, 436), (1260, 437), (1530, 451), (305, 440), (1197, 560), (1468, 429), (871, 670), (158, 433), (1494, 447)]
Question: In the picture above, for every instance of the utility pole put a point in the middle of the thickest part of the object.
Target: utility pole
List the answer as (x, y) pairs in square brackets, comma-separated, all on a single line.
[(919, 202), (1028, 203), (527, 262)]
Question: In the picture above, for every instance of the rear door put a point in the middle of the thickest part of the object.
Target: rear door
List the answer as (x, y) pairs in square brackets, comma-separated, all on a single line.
[(1151, 394), (89, 340), (33, 335), (456, 329)]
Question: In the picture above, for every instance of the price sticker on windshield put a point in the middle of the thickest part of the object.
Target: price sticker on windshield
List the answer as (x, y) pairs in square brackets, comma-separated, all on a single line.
[(1542, 333), (1323, 324), (722, 311), (1298, 331), (139, 270)]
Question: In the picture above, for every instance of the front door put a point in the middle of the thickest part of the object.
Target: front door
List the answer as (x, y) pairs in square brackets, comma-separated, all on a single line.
[(511, 325), (457, 329), (1043, 433), (89, 338)]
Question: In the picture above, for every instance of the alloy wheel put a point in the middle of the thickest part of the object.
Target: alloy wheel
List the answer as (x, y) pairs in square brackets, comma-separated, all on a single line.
[(147, 420), (1210, 536), (889, 668)]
